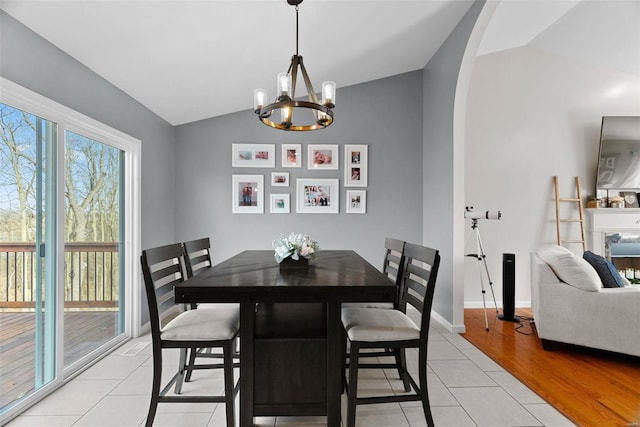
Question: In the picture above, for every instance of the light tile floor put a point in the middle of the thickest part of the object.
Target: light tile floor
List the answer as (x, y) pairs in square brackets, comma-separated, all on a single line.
[(466, 388)]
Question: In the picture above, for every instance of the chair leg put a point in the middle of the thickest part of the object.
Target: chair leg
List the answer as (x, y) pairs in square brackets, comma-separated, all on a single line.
[(343, 350), (424, 390), (352, 393), (401, 363), (155, 387), (183, 362), (192, 361), (229, 396)]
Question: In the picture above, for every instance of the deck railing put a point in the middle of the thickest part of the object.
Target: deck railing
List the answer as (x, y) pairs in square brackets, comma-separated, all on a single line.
[(91, 276)]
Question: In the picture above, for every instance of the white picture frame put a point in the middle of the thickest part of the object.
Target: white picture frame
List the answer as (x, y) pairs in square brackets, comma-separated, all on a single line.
[(291, 156), (322, 157), (356, 201), (279, 179), (356, 169), (247, 194), (317, 195), (279, 203), (253, 155)]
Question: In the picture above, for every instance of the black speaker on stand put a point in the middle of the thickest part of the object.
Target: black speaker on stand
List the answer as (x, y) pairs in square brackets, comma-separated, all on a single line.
[(509, 288)]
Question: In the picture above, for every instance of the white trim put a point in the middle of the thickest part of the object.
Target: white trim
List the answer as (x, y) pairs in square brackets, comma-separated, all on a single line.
[(59, 315), (25, 99), (455, 329), (133, 170)]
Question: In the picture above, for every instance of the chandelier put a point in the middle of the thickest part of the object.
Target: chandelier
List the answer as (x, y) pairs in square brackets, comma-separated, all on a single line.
[(296, 115)]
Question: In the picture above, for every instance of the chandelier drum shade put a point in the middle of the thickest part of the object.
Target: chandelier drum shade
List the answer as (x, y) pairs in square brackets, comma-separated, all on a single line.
[(288, 113)]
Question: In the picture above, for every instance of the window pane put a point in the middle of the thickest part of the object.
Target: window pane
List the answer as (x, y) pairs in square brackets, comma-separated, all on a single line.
[(92, 236), (27, 302)]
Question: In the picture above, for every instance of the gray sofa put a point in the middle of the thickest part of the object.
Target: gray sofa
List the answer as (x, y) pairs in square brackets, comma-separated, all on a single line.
[(602, 318)]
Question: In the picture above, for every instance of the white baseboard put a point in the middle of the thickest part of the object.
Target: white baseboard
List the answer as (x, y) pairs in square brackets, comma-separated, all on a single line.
[(455, 329), (144, 328), (478, 304)]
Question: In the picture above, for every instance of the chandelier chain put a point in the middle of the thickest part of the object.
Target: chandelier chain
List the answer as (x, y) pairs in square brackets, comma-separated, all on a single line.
[(297, 30)]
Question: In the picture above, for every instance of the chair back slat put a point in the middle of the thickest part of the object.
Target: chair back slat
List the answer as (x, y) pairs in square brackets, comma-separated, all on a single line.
[(393, 262), (414, 287), (197, 255), (417, 303), (166, 274), (200, 261), (393, 274), (162, 270), (393, 257), (420, 270)]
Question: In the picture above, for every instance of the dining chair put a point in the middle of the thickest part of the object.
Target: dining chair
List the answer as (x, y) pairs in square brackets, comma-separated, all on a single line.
[(382, 328), (197, 255), (392, 268), (197, 258), (172, 327)]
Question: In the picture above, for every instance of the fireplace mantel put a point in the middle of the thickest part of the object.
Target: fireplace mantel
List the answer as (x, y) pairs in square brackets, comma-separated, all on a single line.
[(604, 221)]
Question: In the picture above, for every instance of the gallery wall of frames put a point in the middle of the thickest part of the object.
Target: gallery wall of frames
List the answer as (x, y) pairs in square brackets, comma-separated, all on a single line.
[(309, 193)]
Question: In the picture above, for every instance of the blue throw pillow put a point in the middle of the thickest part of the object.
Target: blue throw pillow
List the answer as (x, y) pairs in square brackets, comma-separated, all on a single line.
[(606, 270)]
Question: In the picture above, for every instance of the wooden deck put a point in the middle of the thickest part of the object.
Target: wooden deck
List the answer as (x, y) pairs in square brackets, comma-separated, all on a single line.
[(83, 330)]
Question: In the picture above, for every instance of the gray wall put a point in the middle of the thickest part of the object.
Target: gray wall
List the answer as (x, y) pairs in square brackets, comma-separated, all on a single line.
[(186, 171), (385, 114), (32, 62), (36, 64), (440, 77)]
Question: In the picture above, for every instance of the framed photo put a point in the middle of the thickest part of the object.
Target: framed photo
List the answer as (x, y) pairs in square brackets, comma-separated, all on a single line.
[(280, 179), (317, 196), (357, 201), (279, 203), (323, 156), (247, 193), (291, 155), (253, 155), (355, 165), (630, 199)]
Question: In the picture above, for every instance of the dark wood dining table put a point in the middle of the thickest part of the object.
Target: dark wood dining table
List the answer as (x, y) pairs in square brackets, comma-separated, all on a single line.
[(253, 278)]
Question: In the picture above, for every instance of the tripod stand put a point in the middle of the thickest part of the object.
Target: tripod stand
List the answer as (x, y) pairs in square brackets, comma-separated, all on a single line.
[(482, 258)]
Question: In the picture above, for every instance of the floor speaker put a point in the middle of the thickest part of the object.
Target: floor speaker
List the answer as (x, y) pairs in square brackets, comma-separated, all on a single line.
[(509, 288)]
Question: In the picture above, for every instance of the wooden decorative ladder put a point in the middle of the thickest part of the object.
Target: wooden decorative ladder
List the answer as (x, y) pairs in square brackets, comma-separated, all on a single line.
[(579, 220)]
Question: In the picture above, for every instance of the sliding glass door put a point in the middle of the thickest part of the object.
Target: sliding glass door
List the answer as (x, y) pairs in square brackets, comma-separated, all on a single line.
[(68, 294), (27, 254)]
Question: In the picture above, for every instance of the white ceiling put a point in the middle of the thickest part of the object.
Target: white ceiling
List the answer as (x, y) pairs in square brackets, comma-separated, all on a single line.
[(188, 60)]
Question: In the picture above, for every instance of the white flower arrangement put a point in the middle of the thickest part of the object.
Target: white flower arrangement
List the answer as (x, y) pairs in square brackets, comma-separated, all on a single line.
[(295, 246)]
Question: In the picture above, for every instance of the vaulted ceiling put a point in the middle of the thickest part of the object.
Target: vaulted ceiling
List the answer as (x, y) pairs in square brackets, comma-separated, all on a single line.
[(190, 60)]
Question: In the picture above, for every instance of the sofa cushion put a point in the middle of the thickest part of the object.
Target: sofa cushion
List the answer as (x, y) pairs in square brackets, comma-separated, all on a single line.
[(625, 282), (606, 270), (570, 268)]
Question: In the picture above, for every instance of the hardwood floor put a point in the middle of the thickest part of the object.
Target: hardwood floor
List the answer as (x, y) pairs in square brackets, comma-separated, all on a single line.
[(590, 387)]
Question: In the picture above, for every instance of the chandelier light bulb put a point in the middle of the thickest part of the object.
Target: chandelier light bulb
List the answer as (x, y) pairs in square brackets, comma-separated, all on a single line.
[(329, 94), (285, 115), (259, 99), (284, 84)]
